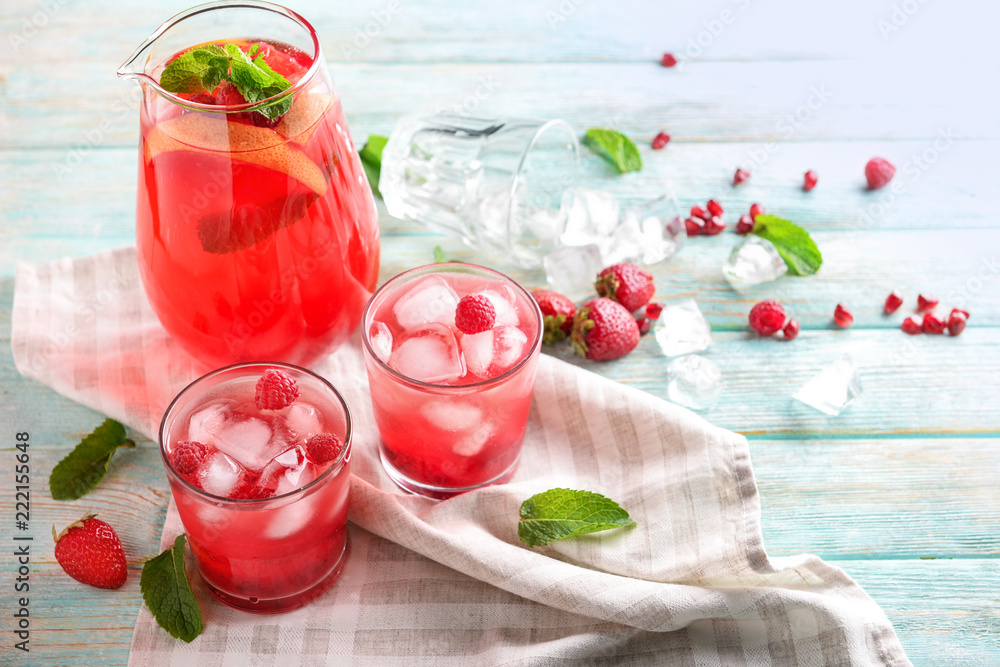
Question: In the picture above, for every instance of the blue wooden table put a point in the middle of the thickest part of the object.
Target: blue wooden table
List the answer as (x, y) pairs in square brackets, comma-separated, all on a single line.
[(900, 490)]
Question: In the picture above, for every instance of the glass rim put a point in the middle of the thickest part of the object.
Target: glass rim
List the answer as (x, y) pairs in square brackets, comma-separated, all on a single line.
[(295, 88), (335, 465), (430, 268)]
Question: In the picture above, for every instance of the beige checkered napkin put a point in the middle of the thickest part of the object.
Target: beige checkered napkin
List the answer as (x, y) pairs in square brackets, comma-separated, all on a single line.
[(448, 583)]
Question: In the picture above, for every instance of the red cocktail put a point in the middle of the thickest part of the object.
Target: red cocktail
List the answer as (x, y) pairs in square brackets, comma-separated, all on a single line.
[(451, 407), (262, 492)]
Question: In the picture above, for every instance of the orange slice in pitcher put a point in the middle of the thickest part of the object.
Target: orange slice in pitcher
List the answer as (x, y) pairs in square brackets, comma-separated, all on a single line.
[(299, 123)]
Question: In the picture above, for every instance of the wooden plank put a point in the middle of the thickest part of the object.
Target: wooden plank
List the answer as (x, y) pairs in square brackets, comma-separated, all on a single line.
[(711, 101)]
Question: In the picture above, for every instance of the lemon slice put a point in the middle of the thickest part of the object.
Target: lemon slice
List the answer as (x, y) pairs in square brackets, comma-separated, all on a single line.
[(239, 141)]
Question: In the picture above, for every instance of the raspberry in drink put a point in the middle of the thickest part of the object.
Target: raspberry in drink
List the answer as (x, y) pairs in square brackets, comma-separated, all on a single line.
[(256, 230), (451, 407), (260, 475)]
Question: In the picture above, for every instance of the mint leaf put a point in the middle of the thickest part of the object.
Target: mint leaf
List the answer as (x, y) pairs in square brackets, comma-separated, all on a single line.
[(792, 242), (196, 70), (439, 256), (167, 593), (80, 471), (614, 147), (371, 160), (560, 513)]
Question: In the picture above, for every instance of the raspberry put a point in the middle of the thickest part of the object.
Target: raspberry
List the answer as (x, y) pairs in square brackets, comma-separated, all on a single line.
[(893, 302), (767, 317), (202, 98), (879, 172), (694, 226), (668, 60), (275, 390), (926, 302), (653, 310), (324, 447), (934, 324), (558, 312), (661, 140), (745, 225), (604, 330), (714, 207), (229, 96), (716, 225), (912, 326), (755, 210), (956, 321), (188, 455), (791, 329), (740, 176), (630, 285), (843, 316), (810, 180), (474, 314)]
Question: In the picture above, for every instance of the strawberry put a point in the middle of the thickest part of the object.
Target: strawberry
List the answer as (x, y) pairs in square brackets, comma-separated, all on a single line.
[(475, 314), (558, 312), (628, 284), (324, 447), (89, 551), (879, 172), (275, 390), (604, 330)]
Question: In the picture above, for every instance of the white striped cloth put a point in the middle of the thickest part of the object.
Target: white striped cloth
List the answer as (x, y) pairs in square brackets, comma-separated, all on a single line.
[(449, 583)]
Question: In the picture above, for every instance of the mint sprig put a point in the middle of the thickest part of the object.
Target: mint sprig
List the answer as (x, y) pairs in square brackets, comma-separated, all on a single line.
[(81, 470), (203, 68), (371, 160), (793, 243), (167, 592), (614, 147), (439, 256), (560, 513)]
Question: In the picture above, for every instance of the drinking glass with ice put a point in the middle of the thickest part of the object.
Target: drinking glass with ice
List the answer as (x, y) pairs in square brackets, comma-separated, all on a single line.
[(258, 460), (451, 406)]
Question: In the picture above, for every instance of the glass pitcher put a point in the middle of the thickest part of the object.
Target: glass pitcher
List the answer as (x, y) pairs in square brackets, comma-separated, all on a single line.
[(256, 229)]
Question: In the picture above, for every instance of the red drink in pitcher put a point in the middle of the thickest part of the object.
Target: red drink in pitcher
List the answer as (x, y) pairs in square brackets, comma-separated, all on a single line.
[(262, 492), (451, 407), (257, 233)]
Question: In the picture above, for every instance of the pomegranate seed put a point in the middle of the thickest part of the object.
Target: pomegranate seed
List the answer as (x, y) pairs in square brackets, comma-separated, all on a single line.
[(740, 176), (645, 324), (791, 329), (843, 316), (699, 212), (926, 302), (714, 207), (653, 310), (893, 302), (661, 140), (963, 313), (755, 210), (714, 226), (745, 225), (811, 179), (912, 326), (956, 323), (694, 226), (668, 60), (933, 324)]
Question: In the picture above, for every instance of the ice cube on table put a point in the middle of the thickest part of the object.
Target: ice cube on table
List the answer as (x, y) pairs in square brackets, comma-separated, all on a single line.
[(545, 224), (430, 299), (591, 216), (493, 352), (662, 227), (573, 268), (380, 338), (694, 382), (473, 442), (752, 262), (503, 298), (219, 474), (682, 329), (626, 243), (304, 420), (247, 440), (833, 388), (429, 354), (452, 415), (206, 422)]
